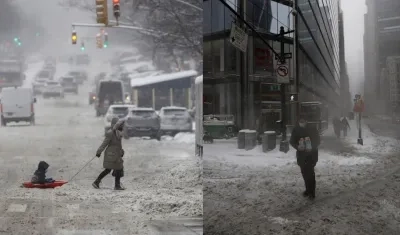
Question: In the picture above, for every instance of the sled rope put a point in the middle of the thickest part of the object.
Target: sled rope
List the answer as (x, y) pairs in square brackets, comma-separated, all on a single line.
[(87, 163)]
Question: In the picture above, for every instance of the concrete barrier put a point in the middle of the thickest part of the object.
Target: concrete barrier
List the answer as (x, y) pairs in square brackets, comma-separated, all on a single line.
[(250, 139), (241, 139), (268, 141)]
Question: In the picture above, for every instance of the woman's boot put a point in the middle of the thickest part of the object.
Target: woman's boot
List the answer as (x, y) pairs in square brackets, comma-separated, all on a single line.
[(118, 184), (96, 183)]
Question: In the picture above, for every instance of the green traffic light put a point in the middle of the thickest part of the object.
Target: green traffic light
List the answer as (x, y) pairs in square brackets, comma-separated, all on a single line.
[(19, 43), (37, 34), (15, 39), (82, 48), (105, 45)]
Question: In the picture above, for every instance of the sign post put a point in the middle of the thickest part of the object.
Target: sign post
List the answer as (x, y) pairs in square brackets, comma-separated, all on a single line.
[(238, 38), (282, 76), (359, 108)]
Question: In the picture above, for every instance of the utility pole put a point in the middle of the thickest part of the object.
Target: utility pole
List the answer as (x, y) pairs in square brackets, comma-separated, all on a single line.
[(284, 145)]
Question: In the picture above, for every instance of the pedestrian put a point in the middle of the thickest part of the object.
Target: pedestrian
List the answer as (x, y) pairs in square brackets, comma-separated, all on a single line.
[(337, 126), (305, 139), (345, 125), (113, 154)]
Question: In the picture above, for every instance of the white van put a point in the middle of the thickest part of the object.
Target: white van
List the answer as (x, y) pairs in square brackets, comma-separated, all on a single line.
[(16, 105)]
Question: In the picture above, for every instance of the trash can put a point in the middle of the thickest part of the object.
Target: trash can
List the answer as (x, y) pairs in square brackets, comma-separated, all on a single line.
[(241, 139), (250, 137), (268, 141)]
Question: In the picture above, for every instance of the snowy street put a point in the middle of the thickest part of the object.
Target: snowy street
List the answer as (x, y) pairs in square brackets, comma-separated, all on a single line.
[(162, 179), (357, 188)]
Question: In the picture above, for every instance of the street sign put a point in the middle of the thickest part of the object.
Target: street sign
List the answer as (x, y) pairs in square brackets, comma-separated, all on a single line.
[(282, 72), (238, 38), (359, 105), (286, 56)]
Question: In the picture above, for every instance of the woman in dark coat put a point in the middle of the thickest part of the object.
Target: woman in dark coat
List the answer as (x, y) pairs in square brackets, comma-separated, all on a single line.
[(113, 154)]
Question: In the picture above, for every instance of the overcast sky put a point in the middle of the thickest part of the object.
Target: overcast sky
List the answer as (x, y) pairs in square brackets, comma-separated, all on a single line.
[(354, 11)]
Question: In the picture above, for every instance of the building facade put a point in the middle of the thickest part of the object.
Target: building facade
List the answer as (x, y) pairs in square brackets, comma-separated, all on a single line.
[(381, 40), (344, 76), (245, 84), (318, 56)]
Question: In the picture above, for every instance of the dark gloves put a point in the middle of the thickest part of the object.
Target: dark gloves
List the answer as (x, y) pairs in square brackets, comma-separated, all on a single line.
[(98, 155)]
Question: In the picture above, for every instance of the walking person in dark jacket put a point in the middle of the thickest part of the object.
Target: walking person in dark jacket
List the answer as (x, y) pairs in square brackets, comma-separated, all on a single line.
[(305, 139), (345, 125), (113, 154)]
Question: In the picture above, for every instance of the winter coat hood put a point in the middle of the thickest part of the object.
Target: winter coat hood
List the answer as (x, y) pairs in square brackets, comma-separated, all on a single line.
[(118, 124), (43, 166), (114, 121)]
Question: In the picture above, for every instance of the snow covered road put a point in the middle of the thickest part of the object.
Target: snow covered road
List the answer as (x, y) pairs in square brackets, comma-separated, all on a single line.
[(162, 178), (261, 193)]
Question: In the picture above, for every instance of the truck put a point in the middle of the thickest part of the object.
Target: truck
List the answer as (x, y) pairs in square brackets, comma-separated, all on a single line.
[(108, 92), (11, 73)]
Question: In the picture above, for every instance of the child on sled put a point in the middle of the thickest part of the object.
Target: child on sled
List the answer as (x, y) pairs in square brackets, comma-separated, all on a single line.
[(39, 177)]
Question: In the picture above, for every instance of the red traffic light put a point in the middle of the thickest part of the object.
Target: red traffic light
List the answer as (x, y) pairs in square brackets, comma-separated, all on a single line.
[(115, 1)]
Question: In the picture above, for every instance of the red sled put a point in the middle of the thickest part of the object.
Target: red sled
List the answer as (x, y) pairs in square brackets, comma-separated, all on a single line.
[(57, 183)]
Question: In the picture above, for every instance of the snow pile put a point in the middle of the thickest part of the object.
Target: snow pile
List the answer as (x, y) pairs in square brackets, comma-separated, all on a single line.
[(227, 152), (371, 142), (329, 159), (184, 137)]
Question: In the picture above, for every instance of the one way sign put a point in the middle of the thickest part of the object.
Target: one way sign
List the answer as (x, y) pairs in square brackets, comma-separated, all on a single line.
[(238, 38)]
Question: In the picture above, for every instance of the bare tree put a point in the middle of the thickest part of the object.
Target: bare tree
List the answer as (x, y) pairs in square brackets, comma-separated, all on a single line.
[(177, 26), (181, 25)]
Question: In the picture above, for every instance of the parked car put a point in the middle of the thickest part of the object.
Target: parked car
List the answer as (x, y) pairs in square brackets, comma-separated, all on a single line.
[(142, 122), (50, 67), (53, 89), (69, 84), (175, 120), (45, 74), (17, 104), (38, 86), (116, 110), (80, 76)]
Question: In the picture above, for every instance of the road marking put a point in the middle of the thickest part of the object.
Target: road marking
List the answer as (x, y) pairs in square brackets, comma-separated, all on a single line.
[(17, 208)]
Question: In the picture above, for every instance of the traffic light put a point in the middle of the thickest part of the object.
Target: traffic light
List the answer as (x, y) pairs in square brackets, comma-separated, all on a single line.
[(99, 41), (74, 37), (102, 12), (116, 8), (17, 41), (105, 40), (83, 46)]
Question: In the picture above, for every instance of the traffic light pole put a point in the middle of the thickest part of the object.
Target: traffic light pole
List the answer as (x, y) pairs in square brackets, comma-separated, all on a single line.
[(148, 31)]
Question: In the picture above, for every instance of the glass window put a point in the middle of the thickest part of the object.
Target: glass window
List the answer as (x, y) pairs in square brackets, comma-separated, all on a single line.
[(230, 57), (263, 58), (216, 17)]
